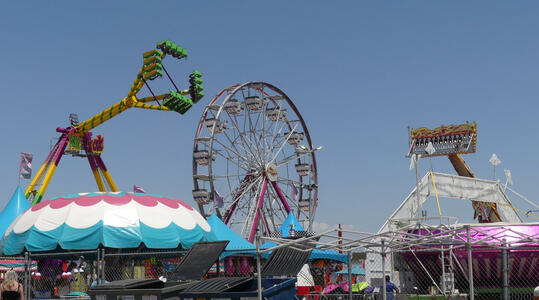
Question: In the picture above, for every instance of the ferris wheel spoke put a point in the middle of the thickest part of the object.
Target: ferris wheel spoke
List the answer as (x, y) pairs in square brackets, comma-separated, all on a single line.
[(264, 136), (245, 186), (263, 131), (229, 159), (233, 143), (271, 210), (252, 207), (249, 122), (244, 141), (231, 175), (257, 210), (275, 137), (290, 158), (257, 142), (252, 131), (284, 143), (288, 181), (231, 150)]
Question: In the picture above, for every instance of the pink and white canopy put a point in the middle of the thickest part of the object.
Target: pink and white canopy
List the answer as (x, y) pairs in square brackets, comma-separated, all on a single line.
[(116, 220)]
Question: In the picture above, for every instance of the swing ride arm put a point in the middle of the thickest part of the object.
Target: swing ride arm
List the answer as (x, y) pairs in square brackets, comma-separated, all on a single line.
[(77, 139), (462, 169)]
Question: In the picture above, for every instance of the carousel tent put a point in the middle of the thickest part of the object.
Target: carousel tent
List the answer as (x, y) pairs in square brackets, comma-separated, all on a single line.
[(113, 219), (16, 206)]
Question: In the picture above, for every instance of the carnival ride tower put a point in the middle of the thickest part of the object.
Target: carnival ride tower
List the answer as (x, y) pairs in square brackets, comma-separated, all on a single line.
[(77, 139), (453, 141)]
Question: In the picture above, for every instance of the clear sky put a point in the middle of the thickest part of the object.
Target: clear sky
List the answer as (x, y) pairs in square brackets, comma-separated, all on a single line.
[(360, 72)]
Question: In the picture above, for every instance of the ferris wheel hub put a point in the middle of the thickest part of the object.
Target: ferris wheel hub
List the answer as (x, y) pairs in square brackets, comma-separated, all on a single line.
[(271, 172)]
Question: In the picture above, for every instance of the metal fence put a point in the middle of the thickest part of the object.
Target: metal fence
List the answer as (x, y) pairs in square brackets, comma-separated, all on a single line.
[(54, 275), (426, 268), (484, 272)]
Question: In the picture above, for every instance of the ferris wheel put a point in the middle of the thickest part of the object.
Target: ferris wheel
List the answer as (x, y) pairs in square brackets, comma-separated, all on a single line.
[(253, 160)]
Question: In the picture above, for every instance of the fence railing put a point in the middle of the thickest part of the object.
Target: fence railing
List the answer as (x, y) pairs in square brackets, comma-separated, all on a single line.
[(441, 272)]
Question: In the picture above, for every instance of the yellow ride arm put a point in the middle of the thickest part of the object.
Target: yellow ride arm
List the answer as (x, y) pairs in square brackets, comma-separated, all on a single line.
[(463, 169)]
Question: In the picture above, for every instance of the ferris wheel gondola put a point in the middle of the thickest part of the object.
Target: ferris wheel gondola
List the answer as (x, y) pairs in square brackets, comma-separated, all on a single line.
[(253, 160)]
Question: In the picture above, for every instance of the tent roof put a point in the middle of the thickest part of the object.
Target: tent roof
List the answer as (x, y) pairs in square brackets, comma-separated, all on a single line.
[(290, 221), (223, 233), (16, 206), (113, 219)]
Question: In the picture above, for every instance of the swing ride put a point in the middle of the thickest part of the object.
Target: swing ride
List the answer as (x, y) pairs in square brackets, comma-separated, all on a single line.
[(78, 140), (452, 141), (447, 260)]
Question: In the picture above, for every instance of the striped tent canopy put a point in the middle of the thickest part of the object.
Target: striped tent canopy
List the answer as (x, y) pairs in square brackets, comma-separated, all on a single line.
[(112, 219), (15, 264)]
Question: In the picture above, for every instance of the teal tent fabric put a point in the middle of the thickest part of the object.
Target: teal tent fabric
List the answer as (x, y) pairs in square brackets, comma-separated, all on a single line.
[(356, 270), (290, 223), (237, 245), (16, 206)]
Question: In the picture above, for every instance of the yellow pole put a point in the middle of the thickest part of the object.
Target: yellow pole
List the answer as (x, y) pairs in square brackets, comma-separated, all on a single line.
[(41, 170), (36, 179), (98, 180), (436, 193), (107, 114), (109, 180), (45, 183)]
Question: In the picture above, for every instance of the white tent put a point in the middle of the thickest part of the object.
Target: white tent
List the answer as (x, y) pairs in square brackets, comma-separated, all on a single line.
[(455, 187), (304, 277)]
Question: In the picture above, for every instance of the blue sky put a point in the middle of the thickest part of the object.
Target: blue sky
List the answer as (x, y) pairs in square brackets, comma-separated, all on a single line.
[(360, 72)]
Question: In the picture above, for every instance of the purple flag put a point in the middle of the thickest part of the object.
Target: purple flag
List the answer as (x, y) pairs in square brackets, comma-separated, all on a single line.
[(138, 189), (25, 168), (218, 200)]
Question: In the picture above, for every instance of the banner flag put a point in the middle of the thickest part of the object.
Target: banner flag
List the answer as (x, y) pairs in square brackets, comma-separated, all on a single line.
[(25, 167), (138, 189), (294, 192), (218, 200)]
